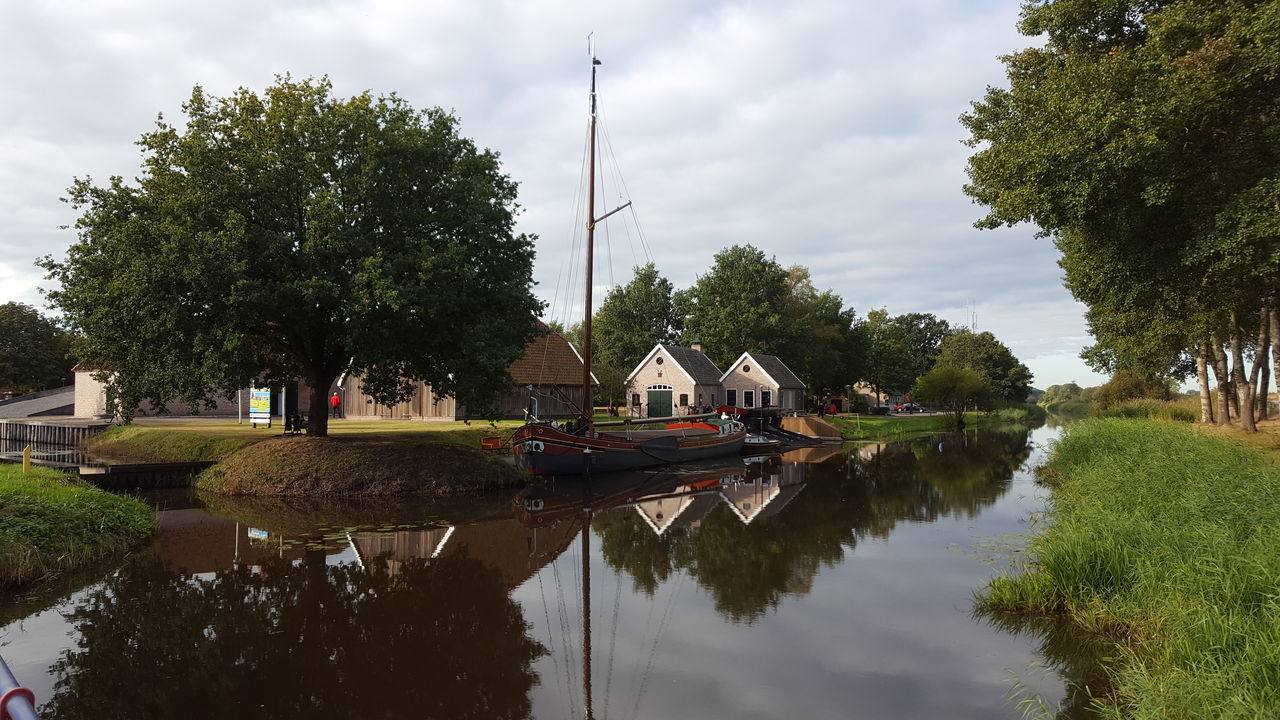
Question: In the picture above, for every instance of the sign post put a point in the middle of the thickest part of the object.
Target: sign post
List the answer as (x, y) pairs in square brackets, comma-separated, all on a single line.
[(259, 406)]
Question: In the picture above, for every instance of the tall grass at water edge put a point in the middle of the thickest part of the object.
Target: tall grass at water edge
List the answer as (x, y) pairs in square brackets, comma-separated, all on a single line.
[(51, 522), (1182, 409), (1168, 542)]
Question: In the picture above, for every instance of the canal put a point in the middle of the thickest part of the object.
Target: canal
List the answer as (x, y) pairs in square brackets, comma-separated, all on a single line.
[(831, 583)]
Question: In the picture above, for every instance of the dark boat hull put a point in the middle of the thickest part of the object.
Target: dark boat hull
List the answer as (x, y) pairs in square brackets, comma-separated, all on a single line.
[(545, 450)]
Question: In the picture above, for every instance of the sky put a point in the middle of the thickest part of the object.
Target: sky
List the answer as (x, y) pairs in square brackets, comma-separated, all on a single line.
[(824, 133)]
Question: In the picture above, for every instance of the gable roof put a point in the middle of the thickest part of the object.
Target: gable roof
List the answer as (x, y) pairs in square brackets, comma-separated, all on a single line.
[(548, 360), (774, 368), (697, 366)]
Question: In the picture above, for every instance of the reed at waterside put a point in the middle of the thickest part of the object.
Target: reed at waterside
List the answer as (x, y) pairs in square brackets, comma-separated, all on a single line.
[(51, 522), (1167, 541)]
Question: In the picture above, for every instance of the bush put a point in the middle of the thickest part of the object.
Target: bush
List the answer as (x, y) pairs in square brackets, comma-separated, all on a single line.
[(1180, 410), (1125, 385)]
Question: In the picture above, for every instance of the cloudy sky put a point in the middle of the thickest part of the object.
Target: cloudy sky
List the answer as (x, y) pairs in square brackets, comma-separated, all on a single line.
[(823, 132)]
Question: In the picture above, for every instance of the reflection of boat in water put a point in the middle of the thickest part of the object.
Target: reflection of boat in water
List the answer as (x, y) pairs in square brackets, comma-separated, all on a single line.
[(759, 443), (581, 447)]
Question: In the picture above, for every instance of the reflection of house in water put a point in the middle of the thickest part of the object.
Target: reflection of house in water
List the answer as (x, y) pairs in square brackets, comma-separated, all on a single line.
[(194, 542), (760, 498), (663, 513)]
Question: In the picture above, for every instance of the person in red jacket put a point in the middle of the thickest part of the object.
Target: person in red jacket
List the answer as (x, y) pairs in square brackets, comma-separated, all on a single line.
[(335, 405)]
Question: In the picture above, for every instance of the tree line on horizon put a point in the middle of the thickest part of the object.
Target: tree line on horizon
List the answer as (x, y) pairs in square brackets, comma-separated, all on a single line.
[(749, 302)]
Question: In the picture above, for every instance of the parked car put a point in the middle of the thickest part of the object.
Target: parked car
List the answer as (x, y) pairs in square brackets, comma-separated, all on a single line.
[(911, 408)]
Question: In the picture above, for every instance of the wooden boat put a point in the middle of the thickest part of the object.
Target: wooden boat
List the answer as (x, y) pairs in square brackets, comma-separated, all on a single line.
[(582, 447)]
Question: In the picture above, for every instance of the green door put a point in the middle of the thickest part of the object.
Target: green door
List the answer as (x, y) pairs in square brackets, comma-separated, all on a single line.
[(659, 403)]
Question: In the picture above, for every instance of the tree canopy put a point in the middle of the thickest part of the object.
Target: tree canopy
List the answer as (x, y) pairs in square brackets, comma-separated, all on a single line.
[(1008, 380), (740, 305), (635, 317), (1141, 137), (34, 350), (296, 235)]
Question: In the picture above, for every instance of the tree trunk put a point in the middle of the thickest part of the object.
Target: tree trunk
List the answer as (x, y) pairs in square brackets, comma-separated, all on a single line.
[(1262, 360), (1224, 381), (1244, 389), (1202, 379), (1275, 348), (318, 407)]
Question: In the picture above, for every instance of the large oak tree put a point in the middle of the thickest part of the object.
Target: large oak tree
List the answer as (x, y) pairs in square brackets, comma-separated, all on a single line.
[(297, 235)]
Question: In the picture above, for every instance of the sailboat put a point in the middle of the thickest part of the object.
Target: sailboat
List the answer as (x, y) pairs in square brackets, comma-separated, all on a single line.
[(581, 447)]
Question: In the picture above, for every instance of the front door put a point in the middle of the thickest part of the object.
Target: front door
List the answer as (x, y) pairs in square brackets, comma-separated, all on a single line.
[(659, 403)]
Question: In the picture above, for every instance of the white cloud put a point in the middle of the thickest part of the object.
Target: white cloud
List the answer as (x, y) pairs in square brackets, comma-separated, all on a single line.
[(823, 132)]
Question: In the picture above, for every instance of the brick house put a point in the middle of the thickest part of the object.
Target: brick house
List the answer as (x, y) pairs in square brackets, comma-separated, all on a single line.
[(755, 380), (673, 380)]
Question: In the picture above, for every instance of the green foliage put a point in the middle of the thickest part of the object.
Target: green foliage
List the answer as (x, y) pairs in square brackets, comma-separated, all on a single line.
[(633, 318), (922, 335), (889, 363), (739, 305), (827, 350), (53, 523), (1125, 385), (953, 388), (34, 350), (1141, 137), (1009, 381), (297, 235), (1179, 410), (1163, 539)]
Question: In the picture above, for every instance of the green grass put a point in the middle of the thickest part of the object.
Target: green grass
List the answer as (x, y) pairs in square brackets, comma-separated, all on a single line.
[(213, 440), (51, 523), (1183, 409), (1167, 541), (902, 427)]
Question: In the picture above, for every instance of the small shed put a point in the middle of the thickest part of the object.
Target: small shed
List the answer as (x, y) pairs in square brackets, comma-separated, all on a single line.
[(672, 380), (755, 380)]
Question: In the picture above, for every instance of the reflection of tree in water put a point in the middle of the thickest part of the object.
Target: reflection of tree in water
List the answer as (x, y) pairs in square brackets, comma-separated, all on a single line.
[(748, 568), (1074, 655), (436, 639)]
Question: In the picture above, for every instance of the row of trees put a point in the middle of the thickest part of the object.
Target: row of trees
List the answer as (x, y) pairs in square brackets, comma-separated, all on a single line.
[(749, 302), (1141, 137), (35, 351)]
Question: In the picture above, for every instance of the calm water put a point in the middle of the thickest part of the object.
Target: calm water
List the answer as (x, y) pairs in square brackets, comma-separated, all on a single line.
[(834, 583)]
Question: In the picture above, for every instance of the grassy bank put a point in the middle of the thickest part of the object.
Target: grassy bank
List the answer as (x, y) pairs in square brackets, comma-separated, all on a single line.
[(903, 427), (53, 523), (187, 440), (1164, 539), (337, 466)]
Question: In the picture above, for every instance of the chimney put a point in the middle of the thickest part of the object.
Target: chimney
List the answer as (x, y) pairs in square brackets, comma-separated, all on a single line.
[(696, 345)]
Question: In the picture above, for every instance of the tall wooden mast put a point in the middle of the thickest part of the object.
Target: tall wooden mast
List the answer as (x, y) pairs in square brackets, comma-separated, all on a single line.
[(587, 403)]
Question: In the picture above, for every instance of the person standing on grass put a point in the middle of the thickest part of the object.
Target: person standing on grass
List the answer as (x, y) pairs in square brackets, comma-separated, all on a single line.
[(335, 405)]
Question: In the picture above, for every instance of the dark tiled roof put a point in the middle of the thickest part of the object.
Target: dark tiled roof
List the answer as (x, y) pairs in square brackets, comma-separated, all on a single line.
[(548, 360), (696, 364), (779, 371)]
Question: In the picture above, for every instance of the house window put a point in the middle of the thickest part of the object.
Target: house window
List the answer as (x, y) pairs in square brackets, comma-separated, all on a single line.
[(635, 399), (699, 398), (684, 400), (746, 368), (658, 361), (713, 398), (766, 398), (749, 398), (731, 397)]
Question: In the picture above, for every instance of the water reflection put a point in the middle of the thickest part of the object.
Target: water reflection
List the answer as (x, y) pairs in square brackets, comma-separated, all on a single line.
[(291, 610)]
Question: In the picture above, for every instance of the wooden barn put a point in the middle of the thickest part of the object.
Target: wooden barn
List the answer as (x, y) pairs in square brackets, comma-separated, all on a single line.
[(546, 381)]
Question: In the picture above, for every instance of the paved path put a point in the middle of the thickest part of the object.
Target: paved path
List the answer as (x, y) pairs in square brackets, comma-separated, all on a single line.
[(27, 408)]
